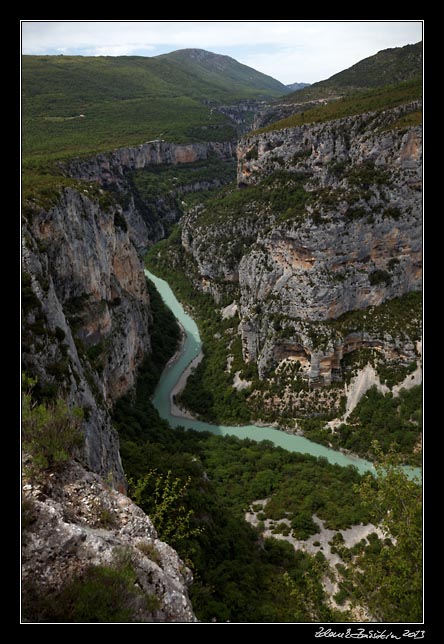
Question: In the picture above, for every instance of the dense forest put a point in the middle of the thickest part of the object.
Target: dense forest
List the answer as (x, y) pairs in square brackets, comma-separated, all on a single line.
[(197, 488)]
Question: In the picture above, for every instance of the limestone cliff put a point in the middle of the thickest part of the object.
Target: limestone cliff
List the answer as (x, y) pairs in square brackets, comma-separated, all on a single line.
[(79, 531), (85, 332), (112, 171), (328, 221), (86, 307), (86, 328)]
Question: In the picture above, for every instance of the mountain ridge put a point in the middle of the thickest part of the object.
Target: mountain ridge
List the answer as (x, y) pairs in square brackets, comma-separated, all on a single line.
[(298, 86), (386, 67), (221, 63)]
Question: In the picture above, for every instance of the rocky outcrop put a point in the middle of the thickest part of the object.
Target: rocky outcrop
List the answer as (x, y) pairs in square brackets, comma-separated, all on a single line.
[(112, 171), (110, 166), (87, 329), (274, 112), (86, 318), (351, 140), (333, 224), (243, 114), (74, 522)]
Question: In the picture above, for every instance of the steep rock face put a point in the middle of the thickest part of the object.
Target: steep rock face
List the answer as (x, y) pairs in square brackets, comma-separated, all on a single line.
[(75, 522), (333, 225), (353, 139), (276, 111), (110, 166), (93, 310), (112, 170), (86, 317)]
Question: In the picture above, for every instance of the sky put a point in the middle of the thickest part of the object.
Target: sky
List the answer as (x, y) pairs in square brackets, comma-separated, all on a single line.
[(290, 51)]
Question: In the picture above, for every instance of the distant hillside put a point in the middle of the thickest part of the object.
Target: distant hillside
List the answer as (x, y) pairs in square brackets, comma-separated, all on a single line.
[(295, 87), (387, 67), (74, 105), (357, 102), (224, 75)]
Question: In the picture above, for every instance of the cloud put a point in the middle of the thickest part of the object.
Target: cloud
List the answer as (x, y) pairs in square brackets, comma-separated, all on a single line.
[(287, 50)]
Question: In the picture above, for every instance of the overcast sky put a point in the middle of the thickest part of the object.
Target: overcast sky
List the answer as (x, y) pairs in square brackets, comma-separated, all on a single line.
[(291, 51)]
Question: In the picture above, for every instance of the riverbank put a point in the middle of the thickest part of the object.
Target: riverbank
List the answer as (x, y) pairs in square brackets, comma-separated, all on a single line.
[(173, 380), (180, 412)]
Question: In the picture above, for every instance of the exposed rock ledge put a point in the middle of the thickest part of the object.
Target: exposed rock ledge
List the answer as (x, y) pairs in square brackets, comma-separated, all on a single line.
[(111, 165), (69, 533)]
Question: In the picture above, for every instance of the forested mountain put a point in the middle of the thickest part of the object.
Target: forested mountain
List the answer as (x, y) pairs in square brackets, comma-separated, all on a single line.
[(78, 104)]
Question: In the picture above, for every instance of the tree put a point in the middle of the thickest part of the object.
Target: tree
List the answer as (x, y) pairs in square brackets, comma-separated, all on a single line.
[(388, 583), (162, 497)]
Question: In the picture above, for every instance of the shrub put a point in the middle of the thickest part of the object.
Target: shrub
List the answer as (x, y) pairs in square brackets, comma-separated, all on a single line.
[(393, 212), (120, 221), (252, 154), (379, 276), (341, 596), (59, 334), (356, 213), (51, 432), (394, 261), (161, 496), (105, 518), (150, 550)]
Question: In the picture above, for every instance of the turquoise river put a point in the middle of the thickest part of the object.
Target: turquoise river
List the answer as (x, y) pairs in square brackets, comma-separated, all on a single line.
[(190, 350)]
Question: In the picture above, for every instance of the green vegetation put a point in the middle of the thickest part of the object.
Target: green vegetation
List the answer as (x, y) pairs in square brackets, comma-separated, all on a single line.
[(209, 390), (156, 181), (378, 277), (77, 105), (161, 496), (356, 103), (387, 67), (230, 219), (150, 550), (237, 577), (99, 594), (51, 432), (411, 119), (395, 422), (159, 190), (227, 77), (387, 578), (399, 317)]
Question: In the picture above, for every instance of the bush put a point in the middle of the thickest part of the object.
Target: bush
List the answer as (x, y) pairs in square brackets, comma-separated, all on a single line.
[(29, 516), (51, 432), (120, 221), (252, 154), (161, 497), (379, 277), (150, 550)]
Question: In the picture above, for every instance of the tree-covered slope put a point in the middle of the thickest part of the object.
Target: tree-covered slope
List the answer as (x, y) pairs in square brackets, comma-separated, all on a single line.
[(387, 67), (225, 74), (358, 102), (75, 105)]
